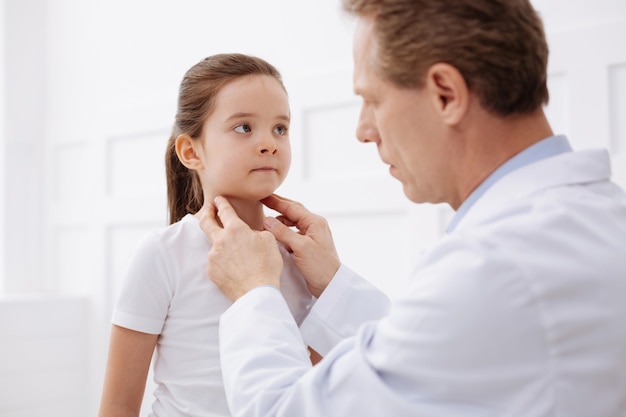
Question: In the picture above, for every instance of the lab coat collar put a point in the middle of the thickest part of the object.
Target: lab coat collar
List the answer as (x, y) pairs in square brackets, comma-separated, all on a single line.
[(568, 168)]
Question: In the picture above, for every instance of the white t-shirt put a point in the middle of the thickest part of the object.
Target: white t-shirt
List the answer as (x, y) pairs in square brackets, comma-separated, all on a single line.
[(166, 291)]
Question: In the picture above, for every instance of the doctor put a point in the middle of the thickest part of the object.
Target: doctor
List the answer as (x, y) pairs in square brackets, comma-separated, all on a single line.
[(519, 310)]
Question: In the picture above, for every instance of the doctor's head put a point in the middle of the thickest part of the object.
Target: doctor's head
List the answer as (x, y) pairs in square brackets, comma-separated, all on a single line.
[(231, 133), (498, 46), (430, 72)]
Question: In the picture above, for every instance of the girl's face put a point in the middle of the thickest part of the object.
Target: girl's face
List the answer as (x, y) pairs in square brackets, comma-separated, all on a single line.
[(245, 150)]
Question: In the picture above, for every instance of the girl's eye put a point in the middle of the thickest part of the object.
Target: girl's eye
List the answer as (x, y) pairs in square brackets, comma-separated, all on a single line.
[(243, 128), (280, 130)]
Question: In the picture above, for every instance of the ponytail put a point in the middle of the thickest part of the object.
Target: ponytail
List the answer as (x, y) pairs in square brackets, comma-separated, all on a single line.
[(184, 191)]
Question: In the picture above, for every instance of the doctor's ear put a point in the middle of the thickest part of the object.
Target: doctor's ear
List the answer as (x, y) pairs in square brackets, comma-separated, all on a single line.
[(186, 150), (449, 92)]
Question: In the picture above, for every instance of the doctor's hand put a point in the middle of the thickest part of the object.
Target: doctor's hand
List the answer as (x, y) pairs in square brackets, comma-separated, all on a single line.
[(240, 258), (313, 246)]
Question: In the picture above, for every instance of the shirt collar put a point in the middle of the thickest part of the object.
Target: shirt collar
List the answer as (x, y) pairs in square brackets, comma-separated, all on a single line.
[(545, 148)]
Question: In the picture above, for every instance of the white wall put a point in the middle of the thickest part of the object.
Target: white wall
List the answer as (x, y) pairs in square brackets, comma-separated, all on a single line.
[(91, 98), (587, 75), (44, 356), (2, 146), (24, 141)]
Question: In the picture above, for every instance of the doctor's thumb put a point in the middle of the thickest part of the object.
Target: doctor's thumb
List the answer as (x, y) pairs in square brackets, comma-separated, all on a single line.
[(282, 233)]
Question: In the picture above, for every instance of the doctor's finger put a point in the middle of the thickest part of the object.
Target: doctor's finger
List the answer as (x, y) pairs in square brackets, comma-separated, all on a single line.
[(283, 233), (227, 214), (285, 221), (291, 210), (209, 222)]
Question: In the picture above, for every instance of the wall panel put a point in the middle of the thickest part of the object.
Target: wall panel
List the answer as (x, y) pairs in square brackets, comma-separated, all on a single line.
[(72, 267), (558, 109), (135, 163), (70, 170), (331, 149), (44, 360), (588, 80), (617, 97)]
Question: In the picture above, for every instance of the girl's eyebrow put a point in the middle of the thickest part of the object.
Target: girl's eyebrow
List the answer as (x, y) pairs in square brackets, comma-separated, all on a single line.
[(240, 116), (243, 115)]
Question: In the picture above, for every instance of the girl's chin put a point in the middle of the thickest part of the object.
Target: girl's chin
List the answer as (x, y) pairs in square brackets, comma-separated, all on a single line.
[(254, 197)]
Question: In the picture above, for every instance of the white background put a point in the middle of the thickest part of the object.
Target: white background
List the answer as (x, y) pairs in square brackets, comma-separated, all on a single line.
[(86, 104)]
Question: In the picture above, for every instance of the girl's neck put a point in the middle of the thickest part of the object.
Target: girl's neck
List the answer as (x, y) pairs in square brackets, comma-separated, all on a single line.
[(249, 211)]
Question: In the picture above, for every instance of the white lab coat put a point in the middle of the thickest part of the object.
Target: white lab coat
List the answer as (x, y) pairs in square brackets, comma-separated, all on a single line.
[(521, 311)]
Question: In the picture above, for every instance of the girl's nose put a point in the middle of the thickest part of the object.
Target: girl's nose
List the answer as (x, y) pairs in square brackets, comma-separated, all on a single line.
[(267, 145)]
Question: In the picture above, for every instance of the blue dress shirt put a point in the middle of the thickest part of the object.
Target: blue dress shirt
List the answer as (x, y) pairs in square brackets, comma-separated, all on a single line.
[(545, 148)]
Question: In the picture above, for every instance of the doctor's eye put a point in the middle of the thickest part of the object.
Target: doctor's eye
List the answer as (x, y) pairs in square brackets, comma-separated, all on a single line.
[(243, 128), (281, 130)]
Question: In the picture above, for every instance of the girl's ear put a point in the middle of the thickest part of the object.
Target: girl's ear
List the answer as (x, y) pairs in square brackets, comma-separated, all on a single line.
[(187, 153)]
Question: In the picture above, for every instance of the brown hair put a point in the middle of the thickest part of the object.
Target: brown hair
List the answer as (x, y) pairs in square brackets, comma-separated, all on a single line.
[(196, 100), (499, 46)]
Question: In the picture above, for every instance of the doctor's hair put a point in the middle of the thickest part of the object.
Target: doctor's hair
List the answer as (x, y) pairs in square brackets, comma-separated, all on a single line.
[(196, 101), (499, 47)]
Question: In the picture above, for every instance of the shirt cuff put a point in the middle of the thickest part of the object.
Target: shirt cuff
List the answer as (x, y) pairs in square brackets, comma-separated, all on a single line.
[(256, 296), (347, 302)]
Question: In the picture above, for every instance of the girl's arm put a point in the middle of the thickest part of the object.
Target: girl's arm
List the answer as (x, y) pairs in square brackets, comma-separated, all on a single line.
[(130, 353)]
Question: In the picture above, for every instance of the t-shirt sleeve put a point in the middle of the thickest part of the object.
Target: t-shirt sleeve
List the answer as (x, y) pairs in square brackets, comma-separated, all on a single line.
[(144, 298)]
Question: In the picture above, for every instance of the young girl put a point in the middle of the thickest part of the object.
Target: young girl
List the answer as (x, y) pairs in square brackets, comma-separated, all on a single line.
[(230, 138)]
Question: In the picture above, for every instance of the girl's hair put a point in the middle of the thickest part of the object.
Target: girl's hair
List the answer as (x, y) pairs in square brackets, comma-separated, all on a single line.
[(196, 101)]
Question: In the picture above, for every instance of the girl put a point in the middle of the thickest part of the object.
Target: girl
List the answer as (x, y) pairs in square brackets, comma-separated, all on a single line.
[(230, 138)]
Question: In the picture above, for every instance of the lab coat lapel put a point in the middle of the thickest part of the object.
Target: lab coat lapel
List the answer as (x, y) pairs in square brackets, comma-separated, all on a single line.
[(565, 169)]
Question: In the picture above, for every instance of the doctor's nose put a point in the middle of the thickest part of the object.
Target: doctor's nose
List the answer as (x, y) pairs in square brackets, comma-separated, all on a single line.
[(366, 129)]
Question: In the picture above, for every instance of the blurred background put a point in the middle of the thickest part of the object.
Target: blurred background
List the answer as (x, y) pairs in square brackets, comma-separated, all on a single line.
[(87, 99)]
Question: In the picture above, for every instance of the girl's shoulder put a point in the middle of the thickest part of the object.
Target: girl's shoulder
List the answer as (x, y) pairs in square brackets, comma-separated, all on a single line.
[(181, 237), (184, 233)]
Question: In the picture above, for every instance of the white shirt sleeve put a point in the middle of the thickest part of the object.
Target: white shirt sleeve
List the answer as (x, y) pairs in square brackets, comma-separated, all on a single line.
[(275, 378), (446, 348), (143, 302), (345, 304)]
